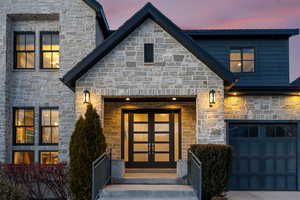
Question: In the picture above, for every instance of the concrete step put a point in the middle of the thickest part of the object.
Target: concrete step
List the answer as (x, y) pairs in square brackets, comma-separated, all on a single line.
[(131, 191), (149, 181)]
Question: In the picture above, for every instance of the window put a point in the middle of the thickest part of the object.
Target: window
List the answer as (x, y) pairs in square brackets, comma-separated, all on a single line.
[(49, 50), (241, 131), (23, 157), (24, 50), (281, 131), (148, 53), (242, 60), (49, 158), (49, 126), (23, 126)]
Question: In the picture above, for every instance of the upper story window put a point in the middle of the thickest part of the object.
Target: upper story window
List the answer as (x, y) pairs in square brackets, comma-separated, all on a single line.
[(49, 126), (148, 53), (242, 60), (49, 50), (23, 126), (24, 50)]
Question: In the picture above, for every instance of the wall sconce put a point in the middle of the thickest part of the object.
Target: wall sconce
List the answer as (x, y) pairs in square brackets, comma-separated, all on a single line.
[(86, 96), (212, 97)]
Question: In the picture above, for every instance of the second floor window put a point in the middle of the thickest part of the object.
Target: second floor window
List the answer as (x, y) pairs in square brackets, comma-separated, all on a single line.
[(49, 126), (49, 50), (24, 126), (242, 60), (148, 53), (24, 50)]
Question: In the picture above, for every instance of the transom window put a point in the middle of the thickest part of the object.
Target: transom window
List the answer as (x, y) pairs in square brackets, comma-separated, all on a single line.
[(49, 126), (242, 60), (49, 158), (49, 50), (23, 126), (24, 50), (23, 157)]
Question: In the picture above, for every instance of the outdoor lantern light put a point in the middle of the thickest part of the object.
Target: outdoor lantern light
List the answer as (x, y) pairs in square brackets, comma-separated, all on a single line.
[(86, 98), (212, 97)]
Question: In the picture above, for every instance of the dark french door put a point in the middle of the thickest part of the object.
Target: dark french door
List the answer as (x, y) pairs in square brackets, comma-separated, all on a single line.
[(151, 138)]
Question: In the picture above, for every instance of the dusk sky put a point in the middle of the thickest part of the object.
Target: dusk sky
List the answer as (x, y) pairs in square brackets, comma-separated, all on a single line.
[(219, 14)]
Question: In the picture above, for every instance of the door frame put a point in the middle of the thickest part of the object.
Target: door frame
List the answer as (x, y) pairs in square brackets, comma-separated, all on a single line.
[(143, 110), (296, 122)]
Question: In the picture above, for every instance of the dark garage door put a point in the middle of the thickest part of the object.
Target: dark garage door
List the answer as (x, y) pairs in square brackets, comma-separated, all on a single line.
[(265, 156)]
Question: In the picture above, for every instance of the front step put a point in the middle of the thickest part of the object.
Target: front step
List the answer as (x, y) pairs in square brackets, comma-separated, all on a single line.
[(123, 192), (149, 181)]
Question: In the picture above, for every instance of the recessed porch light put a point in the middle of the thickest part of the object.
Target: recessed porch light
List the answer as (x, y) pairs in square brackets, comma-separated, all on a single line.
[(127, 99), (174, 98)]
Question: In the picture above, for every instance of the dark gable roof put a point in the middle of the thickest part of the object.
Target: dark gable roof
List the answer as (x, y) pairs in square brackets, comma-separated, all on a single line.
[(243, 33), (296, 82), (148, 11), (94, 4)]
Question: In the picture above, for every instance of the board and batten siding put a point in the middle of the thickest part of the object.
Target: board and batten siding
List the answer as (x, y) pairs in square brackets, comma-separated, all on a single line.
[(272, 59)]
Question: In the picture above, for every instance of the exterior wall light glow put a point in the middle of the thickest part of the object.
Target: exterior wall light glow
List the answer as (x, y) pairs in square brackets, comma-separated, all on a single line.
[(174, 99), (212, 97), (86, 97), (127, 99)]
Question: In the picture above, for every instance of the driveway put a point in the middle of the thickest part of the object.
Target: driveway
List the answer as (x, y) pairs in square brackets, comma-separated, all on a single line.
[(261, 195)]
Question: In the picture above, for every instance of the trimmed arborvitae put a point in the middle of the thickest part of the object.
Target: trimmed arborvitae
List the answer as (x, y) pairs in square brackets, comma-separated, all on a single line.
[(87, 144)]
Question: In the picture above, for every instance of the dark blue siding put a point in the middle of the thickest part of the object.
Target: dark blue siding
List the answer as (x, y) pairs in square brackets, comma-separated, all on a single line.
[(272, 59)]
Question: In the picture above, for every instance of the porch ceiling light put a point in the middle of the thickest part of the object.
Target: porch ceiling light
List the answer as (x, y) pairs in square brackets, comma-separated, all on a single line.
[(86, 96), (174, 98), (127, 99), (212, 97)]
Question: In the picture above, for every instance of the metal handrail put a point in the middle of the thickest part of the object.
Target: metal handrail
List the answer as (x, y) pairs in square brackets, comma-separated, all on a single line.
[(195, 173), (101, 174)]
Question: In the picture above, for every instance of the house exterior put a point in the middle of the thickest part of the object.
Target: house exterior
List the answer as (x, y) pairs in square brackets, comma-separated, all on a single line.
[(157, 88)]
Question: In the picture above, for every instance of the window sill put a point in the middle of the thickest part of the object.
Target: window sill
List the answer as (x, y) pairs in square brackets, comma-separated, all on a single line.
[(23, 70), (49, 70), (152, 63)]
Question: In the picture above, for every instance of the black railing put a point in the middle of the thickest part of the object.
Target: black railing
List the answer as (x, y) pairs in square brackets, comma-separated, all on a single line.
[(101, 173), (195, 173)]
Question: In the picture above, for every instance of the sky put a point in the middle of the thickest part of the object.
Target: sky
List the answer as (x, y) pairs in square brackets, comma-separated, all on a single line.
[(219, 14)]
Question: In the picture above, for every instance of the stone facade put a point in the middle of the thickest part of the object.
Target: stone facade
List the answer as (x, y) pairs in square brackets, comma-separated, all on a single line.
[(262, 107), (175, 72), (76, 23), (112, 122)]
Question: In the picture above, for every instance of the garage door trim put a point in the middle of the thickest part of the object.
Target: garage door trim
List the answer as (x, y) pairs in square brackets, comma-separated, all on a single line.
[(296, 122)]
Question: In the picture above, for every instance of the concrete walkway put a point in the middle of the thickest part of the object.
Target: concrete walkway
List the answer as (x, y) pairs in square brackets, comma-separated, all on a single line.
[(263, 195)]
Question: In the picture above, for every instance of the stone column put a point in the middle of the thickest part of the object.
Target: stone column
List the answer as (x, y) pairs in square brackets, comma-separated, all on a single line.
[(210, 124)]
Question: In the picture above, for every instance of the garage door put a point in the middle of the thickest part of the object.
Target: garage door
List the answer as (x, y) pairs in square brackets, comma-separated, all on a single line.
[(265, 156)]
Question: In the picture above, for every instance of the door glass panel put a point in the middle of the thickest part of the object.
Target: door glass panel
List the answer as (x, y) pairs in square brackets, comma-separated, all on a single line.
[(162, 157), (140, 127), (162, 117), (162, 147), (126, 137), (140, 157), (176, 136), (161, 127), (140, 147), (140, 117), (140, 137), (161, 137)]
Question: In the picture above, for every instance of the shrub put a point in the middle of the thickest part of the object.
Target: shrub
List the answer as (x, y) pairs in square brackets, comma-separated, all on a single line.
[(87, 144), (216, 166), (39, 181), (10, 190)]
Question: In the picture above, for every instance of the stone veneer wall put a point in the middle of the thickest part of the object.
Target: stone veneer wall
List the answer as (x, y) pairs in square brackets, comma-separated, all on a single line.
[(262, 107), (175, 72), (112, 122), (37, 88)]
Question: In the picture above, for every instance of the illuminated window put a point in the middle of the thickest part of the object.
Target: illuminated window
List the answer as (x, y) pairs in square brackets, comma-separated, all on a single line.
[(49, 158), (23, 157), (24, 50), (24, 126), (49, 126), (242, 60), (49, 50)]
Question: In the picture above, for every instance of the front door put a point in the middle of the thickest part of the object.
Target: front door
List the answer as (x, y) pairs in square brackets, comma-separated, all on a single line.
[(151, 138)]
